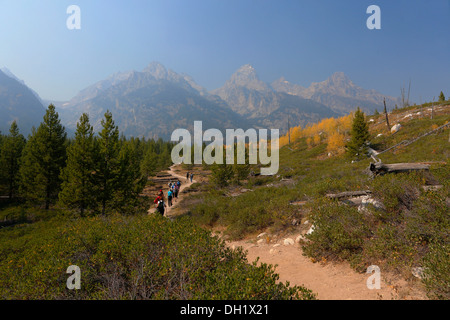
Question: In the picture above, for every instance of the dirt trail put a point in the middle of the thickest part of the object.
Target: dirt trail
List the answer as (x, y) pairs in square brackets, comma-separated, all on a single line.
[(172, 176), (330, 281)]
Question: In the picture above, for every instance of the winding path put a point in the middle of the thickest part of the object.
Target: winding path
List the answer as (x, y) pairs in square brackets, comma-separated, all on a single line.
[(331, 281), (184, 184)]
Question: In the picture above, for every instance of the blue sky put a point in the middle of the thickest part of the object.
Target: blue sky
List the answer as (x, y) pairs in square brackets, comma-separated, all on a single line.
[(304, 41)]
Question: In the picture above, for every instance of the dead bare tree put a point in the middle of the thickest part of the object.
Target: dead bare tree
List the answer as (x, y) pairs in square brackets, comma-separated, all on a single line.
[(402, 93), (409, 90), (289, 131), (385, 113), (432, 109), (405, 99)]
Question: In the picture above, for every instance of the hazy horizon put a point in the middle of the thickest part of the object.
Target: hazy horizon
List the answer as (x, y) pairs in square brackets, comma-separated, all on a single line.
[(303, 41)]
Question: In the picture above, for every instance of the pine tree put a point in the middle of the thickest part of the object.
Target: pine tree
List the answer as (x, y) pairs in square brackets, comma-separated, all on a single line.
[(78, 188), (108, 165), (441, 97), (241, 171), (130, 180), (149, 162), (11, 152), (43, 158), (221, 174), (357, 147)]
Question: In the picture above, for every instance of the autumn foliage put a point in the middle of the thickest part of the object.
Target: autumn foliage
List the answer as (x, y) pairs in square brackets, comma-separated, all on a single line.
[(333, 131)]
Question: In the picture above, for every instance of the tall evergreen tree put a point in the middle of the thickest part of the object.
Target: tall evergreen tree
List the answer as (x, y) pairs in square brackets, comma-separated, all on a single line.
[(43, 158), (11, 152), (441, 97), (78, 187), (221, 174), (241, 171), (130, 180), (149, 162), (357, 146), (108, 165)]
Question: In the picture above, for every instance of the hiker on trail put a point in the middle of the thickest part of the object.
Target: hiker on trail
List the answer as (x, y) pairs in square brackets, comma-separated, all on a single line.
[(169, 197), (192, 175), (177, 189), (161, 207), (161, 194), (187, 176)]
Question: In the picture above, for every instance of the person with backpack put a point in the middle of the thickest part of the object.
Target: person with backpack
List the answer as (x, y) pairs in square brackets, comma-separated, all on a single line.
[(161, 194), (169, 197), (161, 207), (177, 189), (187, 176)]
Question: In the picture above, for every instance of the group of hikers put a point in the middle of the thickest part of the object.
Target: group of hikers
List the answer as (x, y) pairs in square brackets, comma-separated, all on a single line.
[(172, 194), (174, 188)]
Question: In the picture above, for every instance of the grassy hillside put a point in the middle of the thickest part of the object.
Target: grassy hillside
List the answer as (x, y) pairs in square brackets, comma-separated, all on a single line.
[(404, 227)]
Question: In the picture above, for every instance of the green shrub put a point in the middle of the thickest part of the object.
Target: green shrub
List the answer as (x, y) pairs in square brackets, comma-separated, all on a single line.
[(436, 272), (429, 220), (339, 231), (397, 192), (138, 257)]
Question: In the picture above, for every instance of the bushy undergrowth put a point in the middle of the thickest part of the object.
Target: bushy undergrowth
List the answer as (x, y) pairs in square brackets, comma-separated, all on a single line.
[(246, 213), (409, 228), (339, 231), (135, 257)]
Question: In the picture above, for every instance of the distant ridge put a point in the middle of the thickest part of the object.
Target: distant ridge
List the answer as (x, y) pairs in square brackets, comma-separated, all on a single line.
[(339, 93), (20, 103), (151, 103), (155, 101)]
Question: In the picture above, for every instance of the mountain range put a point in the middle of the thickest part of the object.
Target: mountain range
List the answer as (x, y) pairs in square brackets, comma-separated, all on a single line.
[(19, 103), (155, 101)]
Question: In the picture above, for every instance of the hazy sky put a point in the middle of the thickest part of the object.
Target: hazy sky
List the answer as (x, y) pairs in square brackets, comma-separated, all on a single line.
[(304, 41)]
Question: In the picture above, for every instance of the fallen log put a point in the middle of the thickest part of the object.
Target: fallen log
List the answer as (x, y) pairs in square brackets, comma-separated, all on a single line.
[(380, 168), (348, 194)]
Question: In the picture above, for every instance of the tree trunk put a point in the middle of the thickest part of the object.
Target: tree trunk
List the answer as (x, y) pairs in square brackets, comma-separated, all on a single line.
[(348, 194), (381, 168), (385, 113)]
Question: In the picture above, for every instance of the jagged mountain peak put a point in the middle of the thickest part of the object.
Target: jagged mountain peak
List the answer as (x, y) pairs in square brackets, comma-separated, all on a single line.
[(246, 71), (339, 78), (247, 77), (157, 70), (246, 68)]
